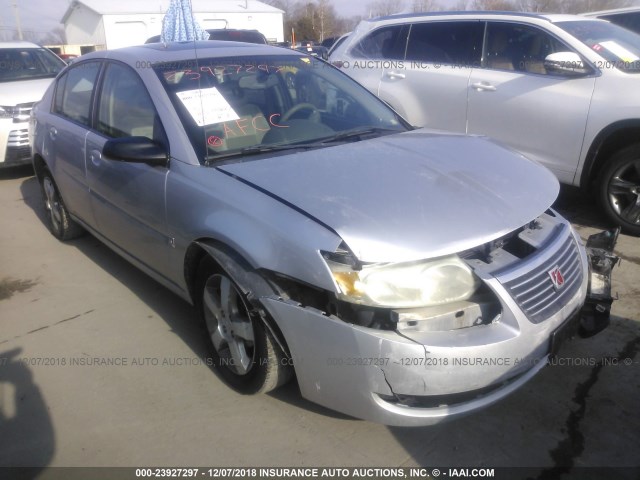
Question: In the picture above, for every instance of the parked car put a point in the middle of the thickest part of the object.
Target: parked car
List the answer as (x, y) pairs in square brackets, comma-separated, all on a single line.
[(228, 35), (628, 17), (68, 57), (337, 43), (561, 89), (312, 49), (328, 42), (316, 232), (26, 70)]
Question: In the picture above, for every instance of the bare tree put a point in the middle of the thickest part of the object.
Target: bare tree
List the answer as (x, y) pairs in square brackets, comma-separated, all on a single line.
[(540, 5), (28, 35), (381, 8), (493, 5), (425, 5), (303, 21), (570, 6), (288, 7), (57, 36), (349, 24), (326, 19), (580, 6)]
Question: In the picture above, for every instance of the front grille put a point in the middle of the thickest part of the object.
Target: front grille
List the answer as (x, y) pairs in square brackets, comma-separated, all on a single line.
[(534, 290), (18, 138)]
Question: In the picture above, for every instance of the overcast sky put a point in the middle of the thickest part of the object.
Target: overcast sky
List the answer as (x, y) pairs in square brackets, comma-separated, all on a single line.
[(36, 15)]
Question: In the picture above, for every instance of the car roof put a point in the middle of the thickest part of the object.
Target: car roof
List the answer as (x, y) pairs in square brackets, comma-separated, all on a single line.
[(19, 44), (223, 33), (216, 31), (178, 51), (551, 17)]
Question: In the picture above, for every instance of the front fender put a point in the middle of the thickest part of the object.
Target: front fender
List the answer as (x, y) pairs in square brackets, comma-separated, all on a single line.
[(252, 284)]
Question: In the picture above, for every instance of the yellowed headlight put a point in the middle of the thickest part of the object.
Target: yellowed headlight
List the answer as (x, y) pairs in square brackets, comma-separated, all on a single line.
[(406, 285)]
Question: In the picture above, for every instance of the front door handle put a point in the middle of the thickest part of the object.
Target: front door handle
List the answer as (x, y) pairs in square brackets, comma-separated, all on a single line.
[(395, 75), (487, 87), (95, 156)]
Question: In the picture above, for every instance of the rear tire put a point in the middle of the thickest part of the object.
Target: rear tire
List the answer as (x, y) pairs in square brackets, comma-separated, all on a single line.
[(620, 189), (60, 223), (244, 352)]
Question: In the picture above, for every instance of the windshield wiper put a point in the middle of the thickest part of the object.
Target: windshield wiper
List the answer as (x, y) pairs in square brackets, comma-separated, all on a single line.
[(316, 143), (349, 134), (257, 149)]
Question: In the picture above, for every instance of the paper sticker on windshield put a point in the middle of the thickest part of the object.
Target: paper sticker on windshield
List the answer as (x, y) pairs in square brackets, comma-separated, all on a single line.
[(619, 51), (207, 106)]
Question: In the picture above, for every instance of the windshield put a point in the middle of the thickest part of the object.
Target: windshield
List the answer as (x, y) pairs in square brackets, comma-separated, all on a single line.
[(231, 106), (28, 63), (620, 48)]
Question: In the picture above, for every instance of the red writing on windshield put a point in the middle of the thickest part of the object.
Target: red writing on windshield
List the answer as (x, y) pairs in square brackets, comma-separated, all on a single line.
[(251, 125), (215, 141)]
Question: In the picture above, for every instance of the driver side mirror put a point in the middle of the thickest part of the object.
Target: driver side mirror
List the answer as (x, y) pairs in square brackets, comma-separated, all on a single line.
[(566, 63), (137, 150)]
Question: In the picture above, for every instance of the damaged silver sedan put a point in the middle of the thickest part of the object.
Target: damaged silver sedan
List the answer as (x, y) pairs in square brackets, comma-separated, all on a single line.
[(403, 276)]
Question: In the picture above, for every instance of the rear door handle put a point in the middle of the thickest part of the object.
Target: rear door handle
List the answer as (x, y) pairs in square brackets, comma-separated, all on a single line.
[(487, 87), (394, 75), (53, 133)]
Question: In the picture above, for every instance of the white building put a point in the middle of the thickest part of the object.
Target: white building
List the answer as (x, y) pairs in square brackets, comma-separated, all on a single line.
[(122, 23)]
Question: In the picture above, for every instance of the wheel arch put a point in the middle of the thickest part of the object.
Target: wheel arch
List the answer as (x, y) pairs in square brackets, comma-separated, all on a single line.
[(39, 166), (612, 138), (247, 278)]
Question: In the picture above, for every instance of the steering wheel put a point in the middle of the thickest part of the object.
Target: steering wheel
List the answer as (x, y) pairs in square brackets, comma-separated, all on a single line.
[(314, 113)]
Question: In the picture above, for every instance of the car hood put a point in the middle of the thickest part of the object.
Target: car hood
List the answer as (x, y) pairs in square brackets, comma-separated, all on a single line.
[(23, 91), (408, 196)]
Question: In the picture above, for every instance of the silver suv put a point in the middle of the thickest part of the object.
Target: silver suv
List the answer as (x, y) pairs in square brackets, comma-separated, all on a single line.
[(564, 90)]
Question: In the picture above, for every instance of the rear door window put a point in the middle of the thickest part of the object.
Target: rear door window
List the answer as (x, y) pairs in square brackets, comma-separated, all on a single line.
[(74, 91), (450, 43)]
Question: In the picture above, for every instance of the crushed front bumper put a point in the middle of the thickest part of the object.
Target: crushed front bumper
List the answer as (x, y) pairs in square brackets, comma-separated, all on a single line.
[(424, 378)]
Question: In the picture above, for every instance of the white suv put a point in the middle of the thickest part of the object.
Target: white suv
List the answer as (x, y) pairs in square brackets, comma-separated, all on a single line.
[(26, 70), (562, 89)]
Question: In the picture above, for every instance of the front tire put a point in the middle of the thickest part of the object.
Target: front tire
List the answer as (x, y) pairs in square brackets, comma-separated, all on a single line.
[(620, 189), (244, 352), (60, 223)]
